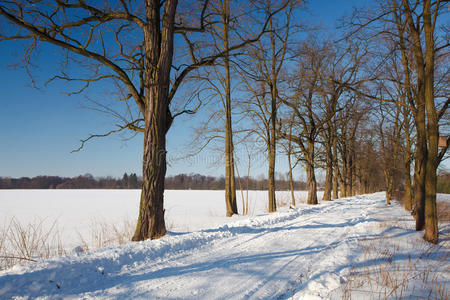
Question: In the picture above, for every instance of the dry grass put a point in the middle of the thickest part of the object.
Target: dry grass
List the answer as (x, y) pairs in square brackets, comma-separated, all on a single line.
[(442, 207), (104, 234), (30, 242), (283, 200), (21, 243), (386, 273), (443, 212)]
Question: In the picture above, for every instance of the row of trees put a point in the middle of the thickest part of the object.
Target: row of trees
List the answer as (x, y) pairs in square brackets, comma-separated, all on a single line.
[(177, 182), (358, 105), (86, 181), (364, 107)]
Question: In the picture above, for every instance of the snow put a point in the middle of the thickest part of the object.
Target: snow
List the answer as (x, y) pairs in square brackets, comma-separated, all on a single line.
[(76, 212), (443, 198), (310, 252)]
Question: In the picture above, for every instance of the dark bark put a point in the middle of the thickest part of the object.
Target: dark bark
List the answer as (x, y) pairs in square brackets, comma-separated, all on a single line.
[(431, 228), (329, 174), (158, 51), (311, 176), (271, 177), (336, 169), (230, 188), (291, 179), (407, 198)]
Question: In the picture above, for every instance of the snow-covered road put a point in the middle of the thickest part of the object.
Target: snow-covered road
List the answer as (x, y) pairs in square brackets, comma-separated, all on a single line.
[(302, 253)]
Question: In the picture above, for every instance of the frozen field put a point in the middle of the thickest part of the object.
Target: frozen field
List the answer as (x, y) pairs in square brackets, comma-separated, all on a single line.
[(79, 212), (352, 248)]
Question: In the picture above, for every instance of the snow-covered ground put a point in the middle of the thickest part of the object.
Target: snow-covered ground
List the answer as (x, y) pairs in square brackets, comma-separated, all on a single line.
[(350, 248), (77, 213)]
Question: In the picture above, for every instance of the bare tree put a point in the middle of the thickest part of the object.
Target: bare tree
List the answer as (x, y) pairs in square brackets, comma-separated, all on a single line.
[(311, 110), (261, 77), (390, 138), (413, 25), (131, 44)]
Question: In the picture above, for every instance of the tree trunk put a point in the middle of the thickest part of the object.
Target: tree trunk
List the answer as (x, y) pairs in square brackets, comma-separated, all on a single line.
[(329, 174), (158, 51), (389, 179), (343, 179), (272, 146), (353, 171), (419, 182), (312, 184), (336, 170), (342, 187), (407, 198), (431, 228), (311, 176), (348, 176), (271, 179), (291, 180), (150, 223), (230, 182)]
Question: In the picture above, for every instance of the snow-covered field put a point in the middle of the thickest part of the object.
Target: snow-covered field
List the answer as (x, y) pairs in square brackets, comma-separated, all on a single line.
[(78, 212), (356, 248)]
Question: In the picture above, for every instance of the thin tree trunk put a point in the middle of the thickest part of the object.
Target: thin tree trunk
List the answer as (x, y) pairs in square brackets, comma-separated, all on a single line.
[(291, 180), (348, 175), (241, 190), (389, 180), (271, 178), (230, 182), (342, 187), (272, 149), (407, 198), (329, 174), (336, 169)]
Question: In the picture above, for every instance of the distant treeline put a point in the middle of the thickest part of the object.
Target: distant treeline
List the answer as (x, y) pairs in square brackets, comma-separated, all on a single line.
[(80, 182), (131, 181), (201, 182)]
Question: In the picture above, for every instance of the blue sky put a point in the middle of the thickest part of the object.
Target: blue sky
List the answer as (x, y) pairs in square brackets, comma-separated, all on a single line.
[(40, 128)]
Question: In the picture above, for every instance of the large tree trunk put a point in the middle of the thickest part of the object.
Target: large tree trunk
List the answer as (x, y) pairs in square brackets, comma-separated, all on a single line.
[(420, 121), (230, 182), (312, 184), (431, 228), (150, 223), (419, 179), (311, 176), (158, 51)]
